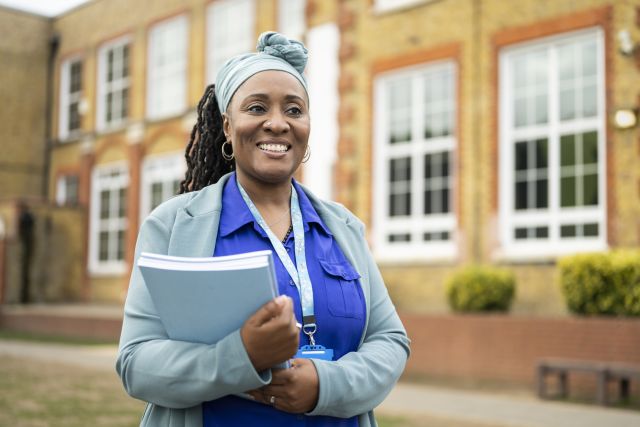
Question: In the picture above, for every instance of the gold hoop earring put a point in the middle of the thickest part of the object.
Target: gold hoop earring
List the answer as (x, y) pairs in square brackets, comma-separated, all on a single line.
[(227, 157), (307, 155)]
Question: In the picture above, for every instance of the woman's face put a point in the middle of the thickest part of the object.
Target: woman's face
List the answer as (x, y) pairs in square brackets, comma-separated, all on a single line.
[(267, 123)]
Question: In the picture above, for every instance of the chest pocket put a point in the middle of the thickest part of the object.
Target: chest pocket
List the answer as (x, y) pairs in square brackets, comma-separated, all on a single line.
[(344, 298)]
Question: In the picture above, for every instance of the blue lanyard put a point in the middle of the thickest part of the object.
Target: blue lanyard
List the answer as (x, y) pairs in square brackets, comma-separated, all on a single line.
[(299, 273)]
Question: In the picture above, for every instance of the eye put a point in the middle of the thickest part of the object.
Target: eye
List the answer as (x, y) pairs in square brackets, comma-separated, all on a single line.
[(256, 108), (295, 111)]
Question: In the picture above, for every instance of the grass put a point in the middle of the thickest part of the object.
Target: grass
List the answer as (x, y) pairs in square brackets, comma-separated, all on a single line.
[(56, 339), (36, 394)]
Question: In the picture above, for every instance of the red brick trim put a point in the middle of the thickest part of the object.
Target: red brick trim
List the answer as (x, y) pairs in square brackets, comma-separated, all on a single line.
[(600, 17)]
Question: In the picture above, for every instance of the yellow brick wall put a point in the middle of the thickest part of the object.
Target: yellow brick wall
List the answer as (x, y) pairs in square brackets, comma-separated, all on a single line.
[(24, 44), (82, 32), (472, 26)]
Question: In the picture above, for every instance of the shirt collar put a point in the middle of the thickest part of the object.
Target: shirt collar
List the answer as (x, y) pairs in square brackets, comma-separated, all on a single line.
[(236, 214)]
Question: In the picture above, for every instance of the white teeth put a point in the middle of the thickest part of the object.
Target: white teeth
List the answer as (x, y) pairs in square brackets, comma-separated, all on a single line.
[(279, 148)]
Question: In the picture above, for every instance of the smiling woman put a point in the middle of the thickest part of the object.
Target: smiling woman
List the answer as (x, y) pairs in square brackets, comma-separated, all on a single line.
[(333, 322)]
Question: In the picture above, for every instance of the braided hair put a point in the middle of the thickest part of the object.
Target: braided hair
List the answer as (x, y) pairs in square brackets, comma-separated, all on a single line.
[(205, 164)]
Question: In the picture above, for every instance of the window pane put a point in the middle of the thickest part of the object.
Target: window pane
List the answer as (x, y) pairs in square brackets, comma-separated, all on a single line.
[(568, 231), (520, 116), (74, 116), (125, 61), (124, 108), (542, 232), (542, 195), (567, 150), (400, 110), (156, 194), (567, 104), (104, 204), (521, 156), (444, 203), (404, 237), (590, 188), (590, 148), (568, 191), (542, 160), (521, 195), (121, 242), (103, 242), (589, 101), (591, 230), (589, 59), (71, 189), (122, 202), (541, 109), (520, 233)]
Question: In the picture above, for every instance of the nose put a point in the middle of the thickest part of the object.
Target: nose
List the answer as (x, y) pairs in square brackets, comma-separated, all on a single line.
[(276, 123)]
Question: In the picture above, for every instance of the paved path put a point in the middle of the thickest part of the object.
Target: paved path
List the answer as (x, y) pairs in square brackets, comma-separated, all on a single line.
[(405, 400)]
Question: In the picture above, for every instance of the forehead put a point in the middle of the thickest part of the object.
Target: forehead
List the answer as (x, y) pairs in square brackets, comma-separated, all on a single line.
[(272, 83)]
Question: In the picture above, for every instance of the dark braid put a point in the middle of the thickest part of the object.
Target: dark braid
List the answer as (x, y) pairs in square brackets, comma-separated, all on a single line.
[(205, 164)]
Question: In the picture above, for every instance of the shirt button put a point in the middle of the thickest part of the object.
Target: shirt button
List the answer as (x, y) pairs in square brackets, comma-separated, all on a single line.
[(292, 283)]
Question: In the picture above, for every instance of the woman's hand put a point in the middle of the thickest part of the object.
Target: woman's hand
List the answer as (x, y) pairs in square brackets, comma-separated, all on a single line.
[(270, 335), (292, 390)]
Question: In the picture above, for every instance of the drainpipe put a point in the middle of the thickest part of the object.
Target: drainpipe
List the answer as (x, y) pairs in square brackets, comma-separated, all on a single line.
[(54, 43)]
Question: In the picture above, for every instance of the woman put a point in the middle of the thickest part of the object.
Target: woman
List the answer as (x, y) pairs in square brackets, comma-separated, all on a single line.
[(251, 136)]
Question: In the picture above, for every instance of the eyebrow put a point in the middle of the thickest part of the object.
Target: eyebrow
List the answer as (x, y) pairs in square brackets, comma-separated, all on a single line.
[(265, 96)]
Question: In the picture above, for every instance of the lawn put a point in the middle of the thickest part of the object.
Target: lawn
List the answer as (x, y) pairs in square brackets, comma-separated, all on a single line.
[(36, 394)]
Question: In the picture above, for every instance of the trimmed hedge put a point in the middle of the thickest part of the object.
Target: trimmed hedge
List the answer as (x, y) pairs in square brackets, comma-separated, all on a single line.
[(481, 289), (602, 283)]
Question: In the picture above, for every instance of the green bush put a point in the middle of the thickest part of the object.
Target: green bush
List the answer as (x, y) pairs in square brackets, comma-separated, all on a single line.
[(481, 288), (602, 283)]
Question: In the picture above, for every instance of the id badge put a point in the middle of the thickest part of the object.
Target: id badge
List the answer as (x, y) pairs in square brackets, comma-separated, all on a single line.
[(314, 352)]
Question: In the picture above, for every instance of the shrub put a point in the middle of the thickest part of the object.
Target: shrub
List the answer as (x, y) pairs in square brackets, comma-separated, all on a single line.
[(481, 288), (602, 283)]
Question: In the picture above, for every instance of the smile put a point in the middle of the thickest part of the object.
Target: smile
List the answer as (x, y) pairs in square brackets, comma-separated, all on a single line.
[(275, 148)]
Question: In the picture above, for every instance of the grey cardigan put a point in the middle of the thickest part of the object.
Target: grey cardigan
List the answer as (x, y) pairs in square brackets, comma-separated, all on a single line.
[(175, 377)]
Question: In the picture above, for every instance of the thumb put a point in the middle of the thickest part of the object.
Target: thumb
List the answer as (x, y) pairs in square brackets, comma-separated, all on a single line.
[(270, 310)]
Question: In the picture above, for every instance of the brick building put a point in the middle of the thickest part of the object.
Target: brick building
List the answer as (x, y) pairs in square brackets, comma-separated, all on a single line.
[(459, 130)]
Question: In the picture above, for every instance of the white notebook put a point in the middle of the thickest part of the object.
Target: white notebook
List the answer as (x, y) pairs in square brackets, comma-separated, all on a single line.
[(204, 299)]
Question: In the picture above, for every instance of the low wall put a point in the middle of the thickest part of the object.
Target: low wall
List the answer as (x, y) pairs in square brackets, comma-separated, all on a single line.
[(506, 348)]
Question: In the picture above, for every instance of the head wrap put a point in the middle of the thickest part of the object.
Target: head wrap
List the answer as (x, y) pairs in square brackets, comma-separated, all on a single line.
[(274, 52)]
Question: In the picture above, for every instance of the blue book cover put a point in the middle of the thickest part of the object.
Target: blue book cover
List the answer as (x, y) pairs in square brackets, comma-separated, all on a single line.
[(204, 299)]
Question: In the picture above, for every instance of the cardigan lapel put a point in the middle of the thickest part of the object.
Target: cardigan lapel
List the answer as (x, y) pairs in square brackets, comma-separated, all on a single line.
[(196, 227)]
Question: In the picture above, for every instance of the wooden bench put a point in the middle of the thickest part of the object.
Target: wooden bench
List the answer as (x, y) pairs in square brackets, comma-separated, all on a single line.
[(605, 372)]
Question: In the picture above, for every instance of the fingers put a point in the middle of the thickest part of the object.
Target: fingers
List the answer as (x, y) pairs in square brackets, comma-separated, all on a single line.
[(273, 308)]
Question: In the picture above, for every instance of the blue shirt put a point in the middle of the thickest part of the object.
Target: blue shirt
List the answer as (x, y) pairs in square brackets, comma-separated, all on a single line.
[(339, 304)]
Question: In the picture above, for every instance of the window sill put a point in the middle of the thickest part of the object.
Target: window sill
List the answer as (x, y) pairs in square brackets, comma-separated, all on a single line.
[(543, 255), (382, 10)]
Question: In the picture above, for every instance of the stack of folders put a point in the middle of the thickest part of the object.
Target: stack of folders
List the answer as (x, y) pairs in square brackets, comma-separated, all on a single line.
[(204, 299)]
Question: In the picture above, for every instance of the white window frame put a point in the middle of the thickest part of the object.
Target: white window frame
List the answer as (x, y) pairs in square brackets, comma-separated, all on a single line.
[(552, 216), (162, 168), (222, 45), (103, 179), (67, 98), (104, 88), (167, 80), (292, 20), (385, 6), (417, 223)]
